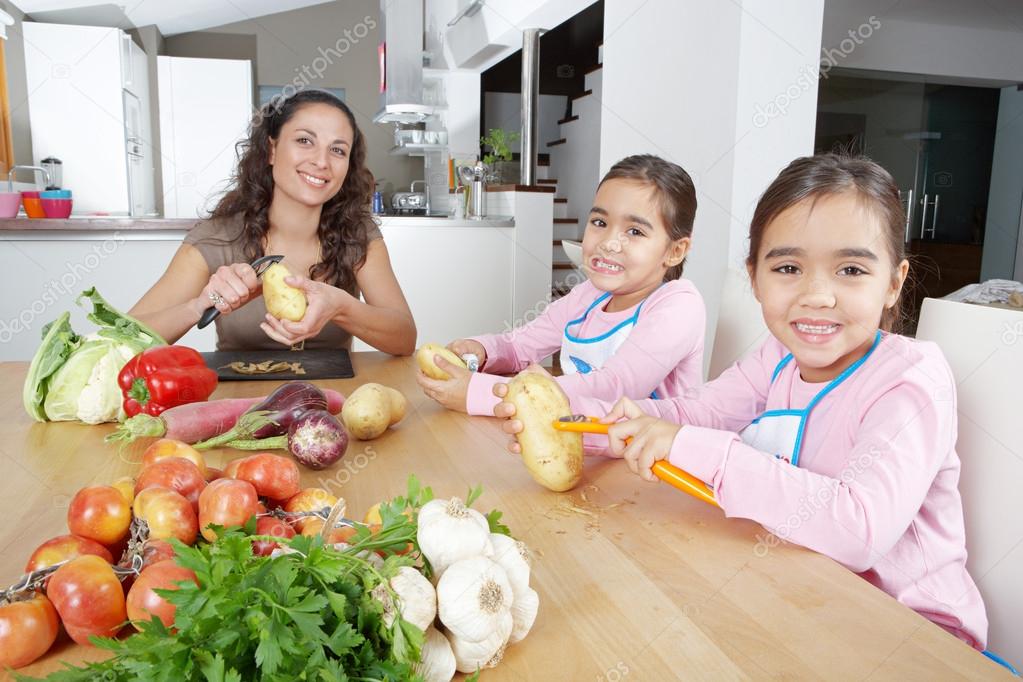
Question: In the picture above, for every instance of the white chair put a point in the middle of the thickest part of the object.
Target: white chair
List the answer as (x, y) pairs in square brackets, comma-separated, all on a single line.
[(984, 347), (740, 328)]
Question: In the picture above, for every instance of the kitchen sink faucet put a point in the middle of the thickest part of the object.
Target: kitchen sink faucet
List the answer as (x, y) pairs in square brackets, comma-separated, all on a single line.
[(426, 186)]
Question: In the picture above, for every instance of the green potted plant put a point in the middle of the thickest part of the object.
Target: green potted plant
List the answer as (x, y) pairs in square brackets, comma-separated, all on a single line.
[(499, 157)]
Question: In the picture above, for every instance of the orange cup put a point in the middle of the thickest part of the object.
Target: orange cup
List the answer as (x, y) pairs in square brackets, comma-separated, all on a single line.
[(33, 207)]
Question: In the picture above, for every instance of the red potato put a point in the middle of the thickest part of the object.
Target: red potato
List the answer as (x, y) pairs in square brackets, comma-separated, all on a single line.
[(272, 476), (168, 514), (99, 513), (226, 502), (64, 547), (268, 525), (168, 447), (88, 597), (144, 603), (27, 630), (176, 473)]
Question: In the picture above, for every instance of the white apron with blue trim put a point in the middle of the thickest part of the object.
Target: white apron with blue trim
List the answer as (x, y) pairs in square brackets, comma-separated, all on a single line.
[(583, 355), (780, 432)]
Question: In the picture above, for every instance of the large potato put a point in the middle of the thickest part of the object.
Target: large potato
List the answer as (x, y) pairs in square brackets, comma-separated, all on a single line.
[(553, 458), (370, 409), (282, 301), (424, 356)]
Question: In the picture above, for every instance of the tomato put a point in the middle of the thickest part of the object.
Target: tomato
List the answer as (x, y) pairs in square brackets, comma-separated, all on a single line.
[(168, 514), (226, 502), (145, 604), (175, 473), (213, 473), (62, 547), (272, 476), (99, 513), (27, 630), (308, 499), (168, 447), (88, 597), (156, 551), (126, 484), (268, 525)]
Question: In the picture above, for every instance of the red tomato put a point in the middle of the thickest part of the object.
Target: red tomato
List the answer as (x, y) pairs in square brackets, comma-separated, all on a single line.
[(27, 629), (175, 473), (213, 473), (156, 551), (88, 597), (99, 513), (126, 484), (168, 514), (268, 525), (168, 447), (309, 499), (145, 604), (272, 476), (62, 547), (339, 534), (226, 502)]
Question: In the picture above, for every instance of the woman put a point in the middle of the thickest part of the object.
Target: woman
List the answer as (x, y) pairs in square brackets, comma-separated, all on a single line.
[(302, 190)]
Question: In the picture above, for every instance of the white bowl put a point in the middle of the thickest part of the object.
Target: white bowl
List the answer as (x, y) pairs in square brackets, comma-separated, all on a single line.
[(574, 251)]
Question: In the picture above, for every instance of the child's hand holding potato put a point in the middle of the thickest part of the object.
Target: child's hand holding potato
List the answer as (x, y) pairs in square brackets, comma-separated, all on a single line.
[(450, 392)]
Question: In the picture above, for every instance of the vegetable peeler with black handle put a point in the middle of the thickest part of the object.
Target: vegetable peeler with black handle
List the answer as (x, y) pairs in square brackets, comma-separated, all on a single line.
[(259, 265)]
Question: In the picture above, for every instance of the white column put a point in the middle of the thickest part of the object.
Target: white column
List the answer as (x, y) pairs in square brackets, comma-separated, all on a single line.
[(728, 90)]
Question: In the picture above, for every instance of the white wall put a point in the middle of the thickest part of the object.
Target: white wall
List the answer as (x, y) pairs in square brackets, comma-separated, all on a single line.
[(911, 39), (719, 113), (1003, 249)]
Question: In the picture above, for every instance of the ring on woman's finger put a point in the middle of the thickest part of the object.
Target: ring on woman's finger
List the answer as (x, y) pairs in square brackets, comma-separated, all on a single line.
[(215, 297)]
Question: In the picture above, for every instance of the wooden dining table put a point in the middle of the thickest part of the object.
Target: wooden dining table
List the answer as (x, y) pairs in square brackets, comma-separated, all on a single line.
[(637, 581)]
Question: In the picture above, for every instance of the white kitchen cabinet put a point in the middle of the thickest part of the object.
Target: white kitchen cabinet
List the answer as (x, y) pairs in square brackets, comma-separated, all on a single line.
[(205, 108), (88, 102)]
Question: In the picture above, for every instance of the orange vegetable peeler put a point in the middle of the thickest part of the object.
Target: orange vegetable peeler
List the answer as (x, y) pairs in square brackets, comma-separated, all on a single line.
[(667, 472)]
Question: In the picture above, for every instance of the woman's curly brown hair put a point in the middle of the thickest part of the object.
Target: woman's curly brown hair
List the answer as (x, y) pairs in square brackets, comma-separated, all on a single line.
[(345, 217)]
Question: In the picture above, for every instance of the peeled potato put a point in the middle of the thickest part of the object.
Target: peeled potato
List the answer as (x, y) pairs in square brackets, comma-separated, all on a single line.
[(424, 356), (282, 301), (553, 458), (371, 409)]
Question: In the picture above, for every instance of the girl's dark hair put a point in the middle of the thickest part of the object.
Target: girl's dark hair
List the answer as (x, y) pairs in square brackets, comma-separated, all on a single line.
[(812, 177), (344, 218), (676, 195)]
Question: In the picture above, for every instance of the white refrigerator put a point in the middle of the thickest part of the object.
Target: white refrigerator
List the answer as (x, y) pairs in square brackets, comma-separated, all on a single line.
[(89, 107)]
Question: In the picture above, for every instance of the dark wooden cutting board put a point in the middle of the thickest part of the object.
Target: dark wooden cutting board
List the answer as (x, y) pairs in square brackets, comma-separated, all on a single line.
[(318, 364)]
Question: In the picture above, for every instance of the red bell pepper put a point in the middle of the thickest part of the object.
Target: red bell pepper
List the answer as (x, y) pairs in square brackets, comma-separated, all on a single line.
[(163, 377)]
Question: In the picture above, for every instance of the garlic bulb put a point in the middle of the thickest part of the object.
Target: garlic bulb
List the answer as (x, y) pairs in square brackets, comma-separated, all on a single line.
[(472, 656), (450, 531), (513, 557), (474, 599), (417, 601), (523, 612), (437, 661)]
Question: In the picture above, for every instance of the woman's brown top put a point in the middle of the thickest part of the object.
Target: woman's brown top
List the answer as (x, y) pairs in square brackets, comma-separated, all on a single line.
[(219, 242)]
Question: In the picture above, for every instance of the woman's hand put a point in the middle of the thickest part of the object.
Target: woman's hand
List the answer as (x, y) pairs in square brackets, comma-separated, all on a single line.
[(323, 304), (229, 288), (451, 393), (639, 438), (506, 409), (462, 346)]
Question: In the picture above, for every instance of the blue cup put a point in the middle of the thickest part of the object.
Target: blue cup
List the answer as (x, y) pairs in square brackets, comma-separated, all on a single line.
[(55, 194)]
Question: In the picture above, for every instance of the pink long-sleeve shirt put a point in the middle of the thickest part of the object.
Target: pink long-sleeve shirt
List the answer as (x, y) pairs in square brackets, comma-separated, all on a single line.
[(876, 486), (664, 351)]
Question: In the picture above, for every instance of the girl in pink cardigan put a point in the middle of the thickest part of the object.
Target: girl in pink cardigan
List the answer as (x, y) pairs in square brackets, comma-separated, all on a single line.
[(633, 328), (835, 434)]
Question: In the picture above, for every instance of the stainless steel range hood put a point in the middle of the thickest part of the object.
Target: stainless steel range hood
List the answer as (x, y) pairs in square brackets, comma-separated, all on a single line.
[(401, 63)]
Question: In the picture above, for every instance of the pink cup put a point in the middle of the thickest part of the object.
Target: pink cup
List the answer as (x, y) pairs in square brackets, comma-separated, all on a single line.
[(10, 202), (57, 208)]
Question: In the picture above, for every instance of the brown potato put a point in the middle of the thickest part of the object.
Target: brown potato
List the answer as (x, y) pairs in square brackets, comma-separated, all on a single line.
[(282, 301), (554, 458), (424, 356), (371, 409)]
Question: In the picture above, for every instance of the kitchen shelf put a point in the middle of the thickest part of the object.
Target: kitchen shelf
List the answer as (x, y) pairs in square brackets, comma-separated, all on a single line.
[(416, 149)]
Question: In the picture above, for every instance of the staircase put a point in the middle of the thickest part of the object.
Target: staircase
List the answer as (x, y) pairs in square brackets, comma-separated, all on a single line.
[(574, 169)]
